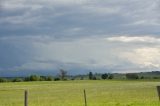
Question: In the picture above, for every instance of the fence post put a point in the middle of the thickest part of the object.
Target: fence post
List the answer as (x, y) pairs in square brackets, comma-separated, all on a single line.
[(85, 99), (158, 90), (25, 98)]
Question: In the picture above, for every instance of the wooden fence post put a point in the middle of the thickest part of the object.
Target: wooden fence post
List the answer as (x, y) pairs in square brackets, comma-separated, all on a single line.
[(158, 90), (25, 98), (85, 99)]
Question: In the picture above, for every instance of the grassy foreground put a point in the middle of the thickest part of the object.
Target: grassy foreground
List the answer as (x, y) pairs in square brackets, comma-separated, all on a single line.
[(70, 93)]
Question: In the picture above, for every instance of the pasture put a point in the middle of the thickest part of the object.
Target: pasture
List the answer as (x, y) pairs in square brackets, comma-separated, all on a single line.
[(70, 93)]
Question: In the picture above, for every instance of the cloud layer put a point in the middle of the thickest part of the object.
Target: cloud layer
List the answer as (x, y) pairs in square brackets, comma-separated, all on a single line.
[(115, 36), (60, 18)]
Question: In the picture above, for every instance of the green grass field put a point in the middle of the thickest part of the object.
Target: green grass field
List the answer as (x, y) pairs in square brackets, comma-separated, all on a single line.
[(70, 93)]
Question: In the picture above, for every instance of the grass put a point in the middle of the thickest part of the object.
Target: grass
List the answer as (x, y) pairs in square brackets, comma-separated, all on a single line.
[(70, 93)]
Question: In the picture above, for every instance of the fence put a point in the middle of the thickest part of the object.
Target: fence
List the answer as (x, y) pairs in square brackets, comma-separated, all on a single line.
[(85, 97), (26, 98)]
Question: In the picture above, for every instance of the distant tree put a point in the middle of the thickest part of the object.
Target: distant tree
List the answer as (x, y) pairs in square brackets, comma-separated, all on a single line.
[(43, 78), (63, 74), (34, 78), (142, 77), (111, 76), (49, 78), (90, 75), (56, 79), (81, 78), (132, 76), (3, 80), (17, 80), (104, 76), (72, 78), (27, 79), (155, 77), (94, 78)]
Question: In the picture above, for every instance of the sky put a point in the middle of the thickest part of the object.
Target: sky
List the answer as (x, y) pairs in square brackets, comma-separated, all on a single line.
[(43, 36)]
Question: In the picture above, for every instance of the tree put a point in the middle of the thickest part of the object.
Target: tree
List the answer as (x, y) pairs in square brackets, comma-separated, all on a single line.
[(90, 75), (63, 74), (104, 76), (49, 78), (94, 78), (17, 80), (3, 80), (27, 79), (142, 77), (111, 76), (43, 78), (81, 78), (34, 78), (56, 79), (132, 76)]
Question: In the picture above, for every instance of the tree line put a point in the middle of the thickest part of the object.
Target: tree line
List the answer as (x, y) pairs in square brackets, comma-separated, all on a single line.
[(63, 76), (103, 76)]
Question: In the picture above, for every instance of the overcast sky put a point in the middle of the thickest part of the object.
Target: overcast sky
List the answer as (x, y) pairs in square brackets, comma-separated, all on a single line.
[(101, 35)]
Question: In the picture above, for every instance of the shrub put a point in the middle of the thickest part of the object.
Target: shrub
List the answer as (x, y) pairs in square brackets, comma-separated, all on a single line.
[(94, 78), (82, 78), (17, 80), (26, 79), (132, 76), (56, 79), (3, 80), (72, 78), (155, 77), (104, 76), (142, 77), (111, 76), (49, 78), (34, 78), (43, 78)]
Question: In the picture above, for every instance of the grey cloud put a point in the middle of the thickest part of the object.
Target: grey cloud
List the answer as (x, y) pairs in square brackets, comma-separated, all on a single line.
[(55, 18), (75, 34), (23, 56)]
